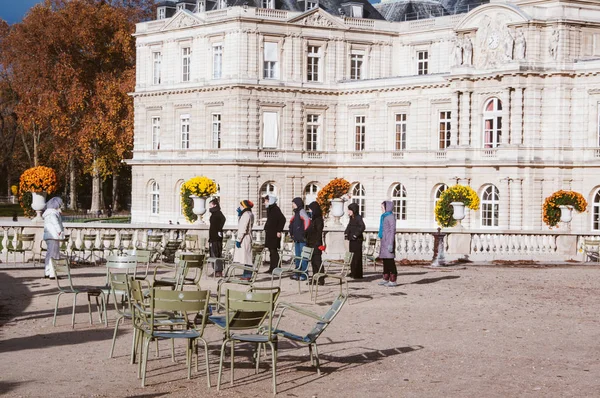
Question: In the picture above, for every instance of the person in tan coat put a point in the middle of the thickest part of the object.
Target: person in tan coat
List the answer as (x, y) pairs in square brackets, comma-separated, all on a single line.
[(243, 237)]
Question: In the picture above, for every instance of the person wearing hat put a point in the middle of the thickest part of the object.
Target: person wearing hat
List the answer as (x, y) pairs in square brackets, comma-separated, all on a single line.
[(215, 234), (243, 242), (299, 223), (53, 232), (387, 247), (273, 229), (314, 238), (354, 236)]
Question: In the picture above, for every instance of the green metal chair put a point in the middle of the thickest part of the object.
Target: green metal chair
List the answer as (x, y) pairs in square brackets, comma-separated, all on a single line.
[(62, 271), (195, 266), (322, 322), (154, 243), (246, 311), (24, 243), (231, 275), (371, 253), (126, 241), (188, 303), (120, 283), (142, 258), (290, 267), (106, 243), (87, 245), (167, 253), (330, 268)]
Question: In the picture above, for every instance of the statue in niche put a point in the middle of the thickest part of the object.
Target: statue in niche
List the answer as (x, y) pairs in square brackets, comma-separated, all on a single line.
[(467, 51), (520, 46), (509, 44), (457, 52), (554, 41)]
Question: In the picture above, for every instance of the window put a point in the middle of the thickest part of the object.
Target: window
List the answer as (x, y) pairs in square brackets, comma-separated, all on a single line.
[(216, 130), (157, 60), (267, 4), (270, 60), (154, 198), (185, 131), (492, 123), (445, 129), (313, 64), (217, 61), (200, 6), (180, 6), (186, 58), (358, 197), (400, 139), (310, 4), (399, 201), (270, 129), (357, 10), (313, 127), (490, 207), (438, 193), (161, 13), (596, 212), (422, 62), (310, 193), (359, 133), (356, 65), (156, 132)]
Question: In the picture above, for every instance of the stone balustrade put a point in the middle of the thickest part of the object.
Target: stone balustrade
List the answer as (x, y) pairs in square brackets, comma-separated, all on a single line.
[(410, 244)]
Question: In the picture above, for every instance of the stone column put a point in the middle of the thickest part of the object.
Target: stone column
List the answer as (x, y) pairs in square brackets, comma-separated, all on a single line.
[(504, 206), (454, 137), (516, 118), (516, 204), (505, 97), (465, 119)]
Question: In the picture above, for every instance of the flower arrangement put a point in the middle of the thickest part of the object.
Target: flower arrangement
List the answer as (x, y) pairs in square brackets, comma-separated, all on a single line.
[(38, 179), (336, 188), (199, 186), (14, 190), (551, 210), (456, 193)]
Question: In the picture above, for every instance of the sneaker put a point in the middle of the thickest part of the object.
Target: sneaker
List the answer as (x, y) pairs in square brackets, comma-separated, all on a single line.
[(302, 277), (294, 277), (383, 282), (391, 284)]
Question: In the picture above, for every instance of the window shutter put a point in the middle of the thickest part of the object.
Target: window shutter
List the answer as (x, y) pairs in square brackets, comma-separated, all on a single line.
[(270, 127), (270, 51)]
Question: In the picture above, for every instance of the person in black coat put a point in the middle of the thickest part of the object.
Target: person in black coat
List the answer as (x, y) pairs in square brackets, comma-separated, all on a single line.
[(273, 229), (215, 233), (354, 234), (314, 237)]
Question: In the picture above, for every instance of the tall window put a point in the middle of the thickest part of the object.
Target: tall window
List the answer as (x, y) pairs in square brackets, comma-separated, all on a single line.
[(313, 127), (216, 130), (156, 67), (492, 123), (154, 198), (270, 60), (422, 62), (490, 207), (356, 65), (400, 139), (445, 129), (186, 59), (310, 4), (161, 13), (267, 4), (156, 132), (399, 200), (217, 61), (310, 193), (270, 129), (359, 197), (313, 64), (438, 193), (185, 131), (596, 212), (360, 127)]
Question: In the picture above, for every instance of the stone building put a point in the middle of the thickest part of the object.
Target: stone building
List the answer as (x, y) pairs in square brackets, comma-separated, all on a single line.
[(282, 96)]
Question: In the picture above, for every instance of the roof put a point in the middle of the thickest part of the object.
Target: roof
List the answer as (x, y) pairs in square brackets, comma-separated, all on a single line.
[(331, 6)]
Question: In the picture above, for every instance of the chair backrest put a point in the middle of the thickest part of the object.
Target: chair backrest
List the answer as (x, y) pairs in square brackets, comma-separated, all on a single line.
[(331, 313), (187, 302), (119, 283), (126, 241), (194, 262), (127, 264), (248, 310), (306, 253), (88, 241), (108, 241), (62, 271), (25, 242), (191, 242)]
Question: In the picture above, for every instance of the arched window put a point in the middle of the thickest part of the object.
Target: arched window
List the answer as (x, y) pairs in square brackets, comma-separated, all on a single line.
[(492, 123), (310, 193), (154, 198), (438, 192), (490, 205), (268, 188), (178, 207), (358, 197), (399, 201), (596, 211)]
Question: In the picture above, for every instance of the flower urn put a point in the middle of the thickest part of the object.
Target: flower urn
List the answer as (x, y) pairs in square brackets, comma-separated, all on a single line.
[(337, 210), (566, 213), (458, 210), (199, 207), (38, 203)]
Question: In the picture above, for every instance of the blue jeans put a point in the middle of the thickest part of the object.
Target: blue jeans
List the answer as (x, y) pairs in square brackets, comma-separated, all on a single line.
[(247, 274), (298, 251)]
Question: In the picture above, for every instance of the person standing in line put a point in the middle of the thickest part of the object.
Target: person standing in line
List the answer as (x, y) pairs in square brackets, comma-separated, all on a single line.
[(354, 235), (299, 223), (387, 247), (215, 234), (243, 242), (54, 232), (273, 229), (314, 238)]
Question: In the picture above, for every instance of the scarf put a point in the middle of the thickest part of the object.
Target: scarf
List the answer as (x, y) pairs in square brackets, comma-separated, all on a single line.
[(384, 215)]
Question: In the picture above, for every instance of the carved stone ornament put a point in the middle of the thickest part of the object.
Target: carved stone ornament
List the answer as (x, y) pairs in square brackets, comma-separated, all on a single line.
[(184, 21), (317, 19), (495, 42)]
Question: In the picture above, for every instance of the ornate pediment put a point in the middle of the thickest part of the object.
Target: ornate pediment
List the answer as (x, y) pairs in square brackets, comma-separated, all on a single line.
[(183, 19), (318, 18)]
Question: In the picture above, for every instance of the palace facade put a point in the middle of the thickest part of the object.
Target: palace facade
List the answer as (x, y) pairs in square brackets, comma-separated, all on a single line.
[(280, 98)]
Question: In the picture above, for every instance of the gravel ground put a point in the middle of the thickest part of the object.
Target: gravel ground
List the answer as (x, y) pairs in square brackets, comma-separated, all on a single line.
[(473, 331)]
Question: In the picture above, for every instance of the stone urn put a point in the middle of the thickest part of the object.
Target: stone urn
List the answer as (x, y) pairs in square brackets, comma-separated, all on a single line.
[(337, 210), (199, 207), (566, 213), (458, 212), (38, 203)]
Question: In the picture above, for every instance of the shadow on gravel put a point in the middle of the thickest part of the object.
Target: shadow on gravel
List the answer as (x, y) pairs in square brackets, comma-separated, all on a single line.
[(55, 339), (8, 386), (19, 299), (430, 280)]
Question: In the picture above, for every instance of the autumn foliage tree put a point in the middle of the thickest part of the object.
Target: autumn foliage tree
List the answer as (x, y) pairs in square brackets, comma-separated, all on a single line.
[(72, 65)]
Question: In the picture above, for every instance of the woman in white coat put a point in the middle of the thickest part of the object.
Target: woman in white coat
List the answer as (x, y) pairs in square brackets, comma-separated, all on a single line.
[(53, 232), (243, 240)]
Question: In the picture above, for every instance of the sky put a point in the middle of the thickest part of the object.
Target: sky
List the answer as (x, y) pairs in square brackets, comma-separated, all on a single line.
[(14, 10)]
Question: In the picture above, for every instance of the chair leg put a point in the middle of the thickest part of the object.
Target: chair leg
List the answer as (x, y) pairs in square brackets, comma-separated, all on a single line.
[(221, 364), (133, 345), (232, 360), (207, 362), (145, 361), (274, 364), (90, 309), (257, 359), (73, 315), (112, 347), (56, 308), (316, 358)]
